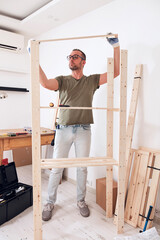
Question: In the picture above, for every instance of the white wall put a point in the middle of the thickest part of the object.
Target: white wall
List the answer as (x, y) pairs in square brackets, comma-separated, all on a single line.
[(137, 23), (15, 110)]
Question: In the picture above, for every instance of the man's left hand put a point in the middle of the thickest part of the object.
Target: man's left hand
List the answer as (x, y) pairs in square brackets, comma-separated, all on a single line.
[(113, 41)]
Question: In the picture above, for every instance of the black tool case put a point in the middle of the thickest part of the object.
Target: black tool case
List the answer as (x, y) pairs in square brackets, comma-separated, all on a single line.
[(15, 197)]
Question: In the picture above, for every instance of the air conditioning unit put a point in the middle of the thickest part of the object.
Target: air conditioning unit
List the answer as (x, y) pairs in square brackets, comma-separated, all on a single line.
[(11, 41)]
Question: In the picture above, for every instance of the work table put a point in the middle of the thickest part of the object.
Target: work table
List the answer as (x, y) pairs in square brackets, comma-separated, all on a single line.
[(22, 139)]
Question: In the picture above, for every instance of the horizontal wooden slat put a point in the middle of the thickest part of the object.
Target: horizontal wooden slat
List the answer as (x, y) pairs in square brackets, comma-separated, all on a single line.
[(77, 162), (84, 108), (76, 38), (152, 150)]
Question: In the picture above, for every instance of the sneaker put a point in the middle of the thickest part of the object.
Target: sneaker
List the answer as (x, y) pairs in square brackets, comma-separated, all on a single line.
[(47, 212), (84, 210)]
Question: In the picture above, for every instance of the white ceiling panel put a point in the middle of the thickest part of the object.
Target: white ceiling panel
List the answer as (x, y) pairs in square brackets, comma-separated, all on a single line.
[(34, 17), (20, 9)]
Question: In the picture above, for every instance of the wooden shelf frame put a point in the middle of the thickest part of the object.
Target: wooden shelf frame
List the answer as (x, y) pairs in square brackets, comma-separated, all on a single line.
[(77, 162), (84, 108), (78, 38), (108, 161)]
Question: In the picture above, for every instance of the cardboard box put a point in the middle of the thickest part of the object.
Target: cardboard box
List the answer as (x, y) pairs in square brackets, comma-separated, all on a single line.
[(14, 197), (22, 156), (101, 193)]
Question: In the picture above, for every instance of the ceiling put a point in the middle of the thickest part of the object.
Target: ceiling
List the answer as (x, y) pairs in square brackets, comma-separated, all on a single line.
[(34, 17)]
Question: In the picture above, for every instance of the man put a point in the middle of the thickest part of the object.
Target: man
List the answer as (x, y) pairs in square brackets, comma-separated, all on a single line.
[(74, 125)]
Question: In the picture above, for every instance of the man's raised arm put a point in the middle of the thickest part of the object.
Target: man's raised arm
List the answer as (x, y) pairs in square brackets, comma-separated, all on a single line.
[(51, 84), (115, 43)]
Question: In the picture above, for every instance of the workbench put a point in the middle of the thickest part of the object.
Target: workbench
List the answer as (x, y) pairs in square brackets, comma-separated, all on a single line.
[(22, 140)]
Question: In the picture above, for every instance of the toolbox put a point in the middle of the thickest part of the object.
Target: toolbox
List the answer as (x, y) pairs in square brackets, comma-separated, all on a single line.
[(15, 197)]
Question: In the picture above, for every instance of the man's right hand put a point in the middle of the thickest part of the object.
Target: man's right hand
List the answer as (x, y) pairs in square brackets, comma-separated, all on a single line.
[(29, 46)]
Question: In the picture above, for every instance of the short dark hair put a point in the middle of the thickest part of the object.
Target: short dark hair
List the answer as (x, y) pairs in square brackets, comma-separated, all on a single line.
[(83, 54)]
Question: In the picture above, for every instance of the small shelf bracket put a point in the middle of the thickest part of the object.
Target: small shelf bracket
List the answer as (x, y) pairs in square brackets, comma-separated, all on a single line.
[(13, 89)]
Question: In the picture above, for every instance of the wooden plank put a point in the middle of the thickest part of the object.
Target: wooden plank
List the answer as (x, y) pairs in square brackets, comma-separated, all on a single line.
[(77, 164), (84, 108), (142, 211), (154, 187), (129, 166), (139, 187), (76, 38), (131, 119), (83, 159), (122, 142), (154, 183), (130, 125), (36, 140), (152, 150), (131, 191), (143, 191), (109, 137), (109, 190)]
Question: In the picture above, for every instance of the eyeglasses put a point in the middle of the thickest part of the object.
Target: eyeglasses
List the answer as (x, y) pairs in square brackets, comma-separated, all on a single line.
[(75, 56)]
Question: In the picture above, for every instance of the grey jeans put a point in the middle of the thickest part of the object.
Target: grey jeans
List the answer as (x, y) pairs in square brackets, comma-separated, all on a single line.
[(80, 136)]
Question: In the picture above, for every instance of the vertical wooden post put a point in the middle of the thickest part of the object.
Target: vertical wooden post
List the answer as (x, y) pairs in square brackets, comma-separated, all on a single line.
[(36, 140), (130, 126), (109, 173), (122, 142), (131, 120), (153, 188)]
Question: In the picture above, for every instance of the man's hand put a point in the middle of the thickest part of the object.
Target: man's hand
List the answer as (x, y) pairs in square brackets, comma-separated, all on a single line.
[(29, 47), (113, 41)]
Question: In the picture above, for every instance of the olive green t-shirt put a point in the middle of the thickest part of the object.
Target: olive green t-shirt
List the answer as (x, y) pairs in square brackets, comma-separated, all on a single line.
[(76, 93)]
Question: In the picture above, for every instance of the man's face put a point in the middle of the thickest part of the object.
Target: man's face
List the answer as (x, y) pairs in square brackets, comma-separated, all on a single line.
[(77, 63)]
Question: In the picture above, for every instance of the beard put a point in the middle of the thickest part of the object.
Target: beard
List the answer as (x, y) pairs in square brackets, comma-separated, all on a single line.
[(73, 68)]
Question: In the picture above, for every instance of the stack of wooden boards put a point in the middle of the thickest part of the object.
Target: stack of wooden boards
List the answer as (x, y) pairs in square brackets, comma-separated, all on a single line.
[(142, 172), (143, 186)]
